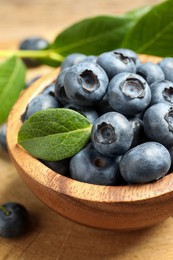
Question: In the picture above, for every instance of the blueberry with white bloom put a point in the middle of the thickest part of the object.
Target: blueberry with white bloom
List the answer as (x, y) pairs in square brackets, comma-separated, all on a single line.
[(128, 94), (85, 83), (112, 134), (115, 62)]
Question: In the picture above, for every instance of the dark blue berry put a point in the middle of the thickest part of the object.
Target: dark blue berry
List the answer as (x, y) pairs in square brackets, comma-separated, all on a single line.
[(88, 112), (166, 65), (40, 102), (128, 94), (60, 93), (3, 141), (92, 167), (161, 92), (145, 163), (33, 43), (72, 59), (114, 63), (151, 72), (85, 83), (112, 134), (13, 220), (158, 123)]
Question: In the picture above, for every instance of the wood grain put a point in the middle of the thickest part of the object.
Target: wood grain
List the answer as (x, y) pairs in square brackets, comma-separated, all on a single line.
[(52, 236)]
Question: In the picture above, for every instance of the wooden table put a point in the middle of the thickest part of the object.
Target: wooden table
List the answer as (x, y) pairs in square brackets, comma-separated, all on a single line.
[(52, 236)]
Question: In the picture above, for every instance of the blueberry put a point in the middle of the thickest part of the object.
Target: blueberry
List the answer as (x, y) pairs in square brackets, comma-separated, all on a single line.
[(61, 167), (128, 94), (166, 65), (85, 83), (3, 141), (103, 106), (129, 53), (72, 59), (145, 163), (138, 129), (158, 123), (112, 134), (31, 81), (114, 63), (33, 43), (49, 90), (150, 72), (92, 167), (13, 220), (161, 92), (88, 112), (38, 103), (60, 93)]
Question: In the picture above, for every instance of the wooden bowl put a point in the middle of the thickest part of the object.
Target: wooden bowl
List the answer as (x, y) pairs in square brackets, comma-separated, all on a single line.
[(107, 207)]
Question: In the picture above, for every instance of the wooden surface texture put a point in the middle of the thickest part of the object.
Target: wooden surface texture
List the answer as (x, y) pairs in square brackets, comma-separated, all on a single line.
[(52, 236)]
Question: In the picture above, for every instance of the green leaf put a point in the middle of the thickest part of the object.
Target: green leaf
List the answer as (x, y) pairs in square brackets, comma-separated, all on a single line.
[(54, 134), (93, 35), (12, 81), (153, 32)]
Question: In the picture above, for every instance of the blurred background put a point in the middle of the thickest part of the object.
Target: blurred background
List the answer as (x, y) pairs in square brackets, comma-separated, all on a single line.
[(20, 18)]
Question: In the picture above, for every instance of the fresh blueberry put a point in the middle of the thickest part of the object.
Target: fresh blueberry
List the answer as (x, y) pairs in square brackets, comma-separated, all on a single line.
[(3, 141), (151, 72), (158, 123), (138, 129), (61, 167), (114, 63), (161, 92), (73, 59), (145, 163), (13, 220), (40, 102), (103, 106), (85, 83), (33, 43), (128, 94), (129, 53), (166, 65), (31, 81), (112, 134), (88, 112), (92, 167), (60, 93), (50, 90)]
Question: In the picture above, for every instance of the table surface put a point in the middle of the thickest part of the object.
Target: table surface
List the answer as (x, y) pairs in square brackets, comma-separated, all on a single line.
[(52, 236)]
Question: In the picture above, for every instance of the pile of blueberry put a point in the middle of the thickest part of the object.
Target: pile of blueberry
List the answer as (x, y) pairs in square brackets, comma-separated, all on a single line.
[(130, 105)]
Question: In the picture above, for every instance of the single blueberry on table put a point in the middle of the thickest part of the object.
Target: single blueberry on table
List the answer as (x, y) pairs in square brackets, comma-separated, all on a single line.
[(166, 65), (14, 220), (33, 43), (92, 167), (128, 94), (40, 102), (88, 112), (3, 141), (112, 134), (85, 83), (145, 163), (158, 123), (161, 92), (115, 62), (151, 72)]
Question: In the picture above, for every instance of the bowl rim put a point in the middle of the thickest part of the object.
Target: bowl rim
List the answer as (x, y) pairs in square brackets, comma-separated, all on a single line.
[(84, 191)]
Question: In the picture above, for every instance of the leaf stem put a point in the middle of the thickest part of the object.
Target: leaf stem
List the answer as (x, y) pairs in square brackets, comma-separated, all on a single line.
[(32, 54), (5, 210)]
